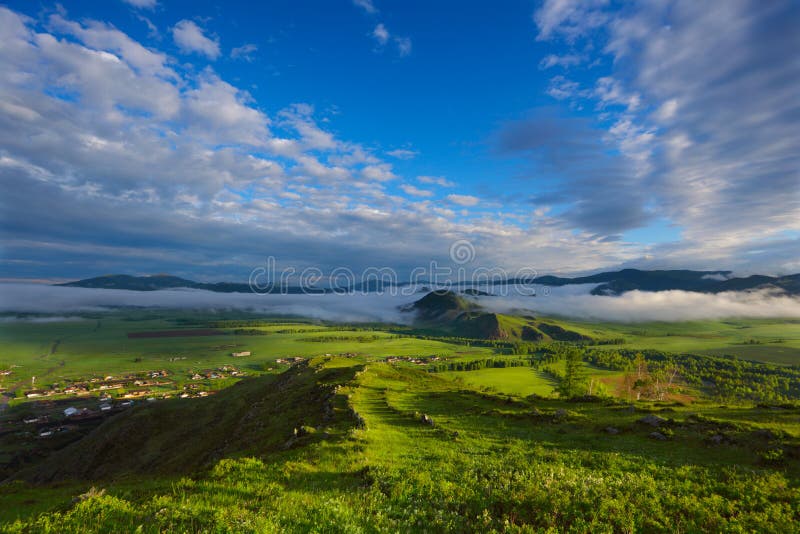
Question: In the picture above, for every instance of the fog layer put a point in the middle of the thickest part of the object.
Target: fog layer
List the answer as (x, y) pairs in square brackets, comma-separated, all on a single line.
[(572, 301)]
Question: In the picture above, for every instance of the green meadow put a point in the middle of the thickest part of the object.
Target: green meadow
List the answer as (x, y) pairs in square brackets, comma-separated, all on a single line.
[(406, 450), (766, 340), (377, 430), (525, 381)]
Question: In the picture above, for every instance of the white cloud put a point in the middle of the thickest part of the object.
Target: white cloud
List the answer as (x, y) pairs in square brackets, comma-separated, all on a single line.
[(435, 180), (697, 104), (403, 45), (142, 4), (402, 153), (366, 5), (415, 191), (190, 38), (553, 60), (381, 34), (463, 200), (569, 18), (148, 166), (380, 173), (244, 52)]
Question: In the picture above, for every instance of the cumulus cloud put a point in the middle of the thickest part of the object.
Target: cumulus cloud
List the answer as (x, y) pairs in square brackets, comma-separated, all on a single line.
[(463, 200), (142, 4), (415, 191), (116, 158), (244, 52), (366, 5), (190, 38), (435, 180), (697, 109), (569, 18), (403, 45), (381, 34), (553, 60), (402, 153)]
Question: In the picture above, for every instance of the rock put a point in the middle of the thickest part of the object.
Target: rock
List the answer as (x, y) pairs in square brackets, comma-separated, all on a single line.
[(652, 420), (765, 433), (657, 435), (612, 430)]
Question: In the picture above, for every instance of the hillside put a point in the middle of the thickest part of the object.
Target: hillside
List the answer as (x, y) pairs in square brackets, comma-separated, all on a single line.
[(254, 416), (440, 306), (452, 314)]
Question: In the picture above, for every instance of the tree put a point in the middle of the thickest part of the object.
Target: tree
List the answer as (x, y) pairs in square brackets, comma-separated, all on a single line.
[(574, 381)]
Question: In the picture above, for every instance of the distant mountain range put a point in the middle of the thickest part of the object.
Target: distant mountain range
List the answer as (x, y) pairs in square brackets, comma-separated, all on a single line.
[(608, 283), (163, 281)]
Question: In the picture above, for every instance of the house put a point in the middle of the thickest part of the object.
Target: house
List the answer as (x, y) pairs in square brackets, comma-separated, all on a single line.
[(105, 407), (240, 354), (71, 411)]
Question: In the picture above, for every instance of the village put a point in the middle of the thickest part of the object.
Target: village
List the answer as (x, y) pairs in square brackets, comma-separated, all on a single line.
[(47, 410)]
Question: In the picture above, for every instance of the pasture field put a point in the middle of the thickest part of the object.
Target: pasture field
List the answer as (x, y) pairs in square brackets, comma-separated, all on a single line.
[(98, 345), (765, 340), (524, 381), (407, 450)]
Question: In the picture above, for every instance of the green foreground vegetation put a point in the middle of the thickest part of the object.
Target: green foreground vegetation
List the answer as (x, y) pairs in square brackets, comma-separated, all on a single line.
[(380, 428)]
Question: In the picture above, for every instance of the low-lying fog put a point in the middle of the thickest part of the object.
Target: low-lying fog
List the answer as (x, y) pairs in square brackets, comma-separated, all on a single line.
[(570, 301)]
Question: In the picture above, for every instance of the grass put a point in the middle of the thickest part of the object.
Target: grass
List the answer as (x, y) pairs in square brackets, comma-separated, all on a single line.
[(524, 381), (486, 463), (77, 349), (354, 444), (519, 381), (776, 340)]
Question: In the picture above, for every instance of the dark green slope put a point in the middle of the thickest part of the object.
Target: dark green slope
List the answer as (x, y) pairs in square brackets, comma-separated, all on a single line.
[(180, 436), (441, 305), (451, 314)]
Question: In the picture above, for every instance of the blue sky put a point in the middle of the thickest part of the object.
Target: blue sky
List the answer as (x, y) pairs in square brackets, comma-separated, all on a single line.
[(198, 138)]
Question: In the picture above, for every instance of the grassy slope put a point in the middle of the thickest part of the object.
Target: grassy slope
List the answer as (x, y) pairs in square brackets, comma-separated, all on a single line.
[(486, 464), (524, 381), (180, 436)]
